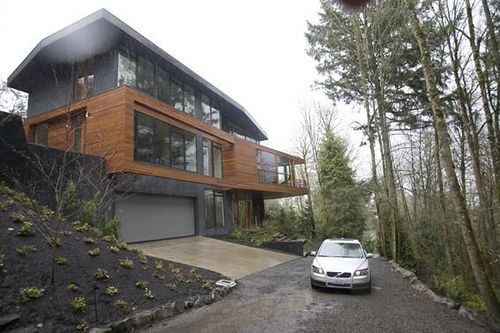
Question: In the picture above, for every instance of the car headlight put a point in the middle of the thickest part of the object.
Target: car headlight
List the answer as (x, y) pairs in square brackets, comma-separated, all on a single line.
[(317, 270), (361, 272)]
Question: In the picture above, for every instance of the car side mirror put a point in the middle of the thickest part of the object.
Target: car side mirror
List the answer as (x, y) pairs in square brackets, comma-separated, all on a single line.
[(369, 255), (313, 253)]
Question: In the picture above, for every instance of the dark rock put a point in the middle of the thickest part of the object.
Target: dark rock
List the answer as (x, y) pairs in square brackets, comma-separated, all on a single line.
[(188, 304), (198, 302), (164, 312), (122, 326), (27, 329), (143, 319), (8, 319), (100, 330), (178, 306)]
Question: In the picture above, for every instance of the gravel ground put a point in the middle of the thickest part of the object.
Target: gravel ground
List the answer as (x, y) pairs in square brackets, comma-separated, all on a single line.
[(280, 299)]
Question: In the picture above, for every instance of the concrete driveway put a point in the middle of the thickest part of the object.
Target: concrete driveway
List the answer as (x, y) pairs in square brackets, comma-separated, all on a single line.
[(230, 259)]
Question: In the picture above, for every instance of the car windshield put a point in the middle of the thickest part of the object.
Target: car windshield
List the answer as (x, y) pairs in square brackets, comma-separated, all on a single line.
[(342, 250)]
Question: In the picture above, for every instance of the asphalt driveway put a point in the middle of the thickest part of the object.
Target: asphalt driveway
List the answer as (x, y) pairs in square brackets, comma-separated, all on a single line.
[(230, 259), (280, 299)]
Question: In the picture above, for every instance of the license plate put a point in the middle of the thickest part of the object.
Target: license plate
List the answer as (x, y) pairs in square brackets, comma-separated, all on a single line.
[(338, 281)]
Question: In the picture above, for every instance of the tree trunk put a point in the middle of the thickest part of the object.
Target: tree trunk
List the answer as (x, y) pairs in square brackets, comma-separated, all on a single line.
[(386, 146), (481, 76), (476, 260)]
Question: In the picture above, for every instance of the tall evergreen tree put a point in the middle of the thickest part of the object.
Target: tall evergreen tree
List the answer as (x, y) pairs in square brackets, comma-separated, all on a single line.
[(341, 204)]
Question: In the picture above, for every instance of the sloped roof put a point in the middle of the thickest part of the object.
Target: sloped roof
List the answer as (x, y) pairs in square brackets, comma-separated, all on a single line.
[(15, 80)]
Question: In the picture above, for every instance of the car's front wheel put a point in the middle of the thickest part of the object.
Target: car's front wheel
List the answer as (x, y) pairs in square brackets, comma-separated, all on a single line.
[(313, 285)]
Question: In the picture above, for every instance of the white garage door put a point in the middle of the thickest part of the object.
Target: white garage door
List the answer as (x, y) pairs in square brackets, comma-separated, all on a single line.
[(148, 217)]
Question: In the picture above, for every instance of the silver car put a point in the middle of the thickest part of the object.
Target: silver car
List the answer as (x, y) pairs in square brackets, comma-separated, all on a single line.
[(341, 263)]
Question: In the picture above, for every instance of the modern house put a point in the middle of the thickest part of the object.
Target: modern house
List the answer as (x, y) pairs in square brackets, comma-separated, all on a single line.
[(98, 87)]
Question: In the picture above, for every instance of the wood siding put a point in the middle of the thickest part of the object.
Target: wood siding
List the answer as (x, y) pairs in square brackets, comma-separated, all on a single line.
[(109, 131)]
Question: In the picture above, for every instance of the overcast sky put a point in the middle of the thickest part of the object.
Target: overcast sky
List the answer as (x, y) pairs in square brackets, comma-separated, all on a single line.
[(254, 51)]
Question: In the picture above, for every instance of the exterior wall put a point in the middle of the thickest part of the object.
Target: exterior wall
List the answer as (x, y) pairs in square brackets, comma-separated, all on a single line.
[(133, 183), (53, 87), (109, 132)]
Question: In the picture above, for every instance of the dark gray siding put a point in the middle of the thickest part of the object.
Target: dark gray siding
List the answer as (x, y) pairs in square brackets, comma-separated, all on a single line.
[(51, 88)]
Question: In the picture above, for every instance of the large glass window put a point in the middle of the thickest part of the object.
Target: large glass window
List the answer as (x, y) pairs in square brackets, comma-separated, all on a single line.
[(144, 135), (145, 76), (190, 151), (205, 108), (178, 150), (160, 143), (266, 167), (176, 95), (214, 209), (83, 80), (126, 70), (212, 159), (189, 100), (42, 134), (207, 151), (217, 160), (162, 90), (209, 113), (284, 170)]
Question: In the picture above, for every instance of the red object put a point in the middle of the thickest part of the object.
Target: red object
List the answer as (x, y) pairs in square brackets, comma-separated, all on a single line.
[(354, 3)]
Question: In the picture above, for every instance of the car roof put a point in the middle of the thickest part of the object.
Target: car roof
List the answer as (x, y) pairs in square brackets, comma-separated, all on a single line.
[(342, 240)]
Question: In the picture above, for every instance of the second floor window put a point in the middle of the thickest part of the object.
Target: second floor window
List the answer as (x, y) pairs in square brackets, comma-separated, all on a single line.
[(212, 159), (209, 113), (83, 82), (126, 70), (160, 143)]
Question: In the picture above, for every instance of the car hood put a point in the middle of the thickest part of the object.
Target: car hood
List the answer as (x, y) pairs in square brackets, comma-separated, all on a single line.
[(335, 264)]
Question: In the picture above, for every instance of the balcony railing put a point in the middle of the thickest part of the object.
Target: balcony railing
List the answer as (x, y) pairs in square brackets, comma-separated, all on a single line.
[(273, 177)]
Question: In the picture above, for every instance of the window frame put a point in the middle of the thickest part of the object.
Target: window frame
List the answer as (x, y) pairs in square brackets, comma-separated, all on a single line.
[(173, 131), (211, 209)]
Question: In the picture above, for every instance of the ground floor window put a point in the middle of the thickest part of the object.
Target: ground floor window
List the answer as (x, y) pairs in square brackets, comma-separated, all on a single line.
[(214, 209), (41, 134)]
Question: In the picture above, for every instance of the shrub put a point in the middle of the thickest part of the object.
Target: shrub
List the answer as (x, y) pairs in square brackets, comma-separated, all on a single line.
[(110, 226), (148, 293), (171, 285), (81, 227), (47, 213), (78, 303), (114, 249), (17, 218), (207, 284), (112, 290), (94, 252), (26, 229), (109, 238), (142, 284), (121, 245), (29, 293), (82, 326), (23, 250), (142, 257), (72, 287), (55, 241), (90, 209), (89, 240), (69, 201), (2, 259), (123, 305), (101, 274), (60, 261), (159, 265), (126, 263), (6, 204)]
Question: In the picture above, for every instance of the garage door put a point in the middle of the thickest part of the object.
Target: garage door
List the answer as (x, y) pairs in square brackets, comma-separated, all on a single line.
[(149, 217)]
